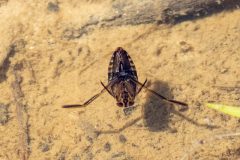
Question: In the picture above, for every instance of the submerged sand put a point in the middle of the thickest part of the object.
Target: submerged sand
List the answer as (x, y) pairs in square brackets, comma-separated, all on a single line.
[(194, 61)]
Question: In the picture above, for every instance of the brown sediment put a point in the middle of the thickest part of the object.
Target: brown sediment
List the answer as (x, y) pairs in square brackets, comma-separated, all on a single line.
[(22, 117)]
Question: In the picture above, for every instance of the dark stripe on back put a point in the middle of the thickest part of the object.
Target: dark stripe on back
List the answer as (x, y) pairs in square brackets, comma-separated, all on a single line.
[(121, 58)]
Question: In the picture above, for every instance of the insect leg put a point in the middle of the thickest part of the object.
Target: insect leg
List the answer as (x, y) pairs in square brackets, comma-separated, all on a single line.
[(159, 95), (85, 103), (105, 87), (141, 86)]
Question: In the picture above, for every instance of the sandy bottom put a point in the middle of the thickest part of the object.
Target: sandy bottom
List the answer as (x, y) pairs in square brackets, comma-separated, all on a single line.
[(194, 62)]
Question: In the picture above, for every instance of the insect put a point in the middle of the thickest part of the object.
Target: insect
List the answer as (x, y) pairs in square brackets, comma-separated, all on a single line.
[(123, 84)]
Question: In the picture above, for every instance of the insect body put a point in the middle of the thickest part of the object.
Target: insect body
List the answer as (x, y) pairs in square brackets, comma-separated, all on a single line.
[(123, 82), (121, 71)]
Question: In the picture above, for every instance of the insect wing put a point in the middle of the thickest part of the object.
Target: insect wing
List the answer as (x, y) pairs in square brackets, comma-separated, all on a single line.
[(121, 64)]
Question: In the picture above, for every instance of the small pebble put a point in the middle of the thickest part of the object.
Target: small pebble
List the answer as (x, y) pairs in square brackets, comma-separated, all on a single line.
[(68, 34), (89, 139), (107, 147), (224, 70), (185, 47), (197, 27), (134, 145), (53, 7), (45, 148), (201, 142), (182, 43), (122, 138), (174, 130), (198, 103)]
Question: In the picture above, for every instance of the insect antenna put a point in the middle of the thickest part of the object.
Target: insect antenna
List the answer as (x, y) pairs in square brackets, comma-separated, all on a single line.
[(157, 94)]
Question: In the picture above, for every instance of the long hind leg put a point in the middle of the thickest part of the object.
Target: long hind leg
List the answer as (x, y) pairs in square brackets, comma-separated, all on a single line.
[(158, 94), (85, 103)]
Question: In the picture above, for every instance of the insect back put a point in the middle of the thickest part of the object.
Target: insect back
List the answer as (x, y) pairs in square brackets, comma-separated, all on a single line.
[(121, 64), (120, 72)]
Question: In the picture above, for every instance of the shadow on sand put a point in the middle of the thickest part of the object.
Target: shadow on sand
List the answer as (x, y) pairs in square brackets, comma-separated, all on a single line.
[(157, 113)]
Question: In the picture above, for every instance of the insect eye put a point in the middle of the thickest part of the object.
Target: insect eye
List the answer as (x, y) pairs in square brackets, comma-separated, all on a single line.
[(119, 104), (131, 103)]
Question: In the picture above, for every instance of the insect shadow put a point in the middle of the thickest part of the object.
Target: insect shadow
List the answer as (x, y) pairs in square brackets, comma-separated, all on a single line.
[(157, 113)]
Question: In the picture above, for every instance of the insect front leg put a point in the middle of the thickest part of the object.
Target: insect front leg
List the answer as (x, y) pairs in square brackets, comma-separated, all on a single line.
[(141, 86), (106, 88)]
